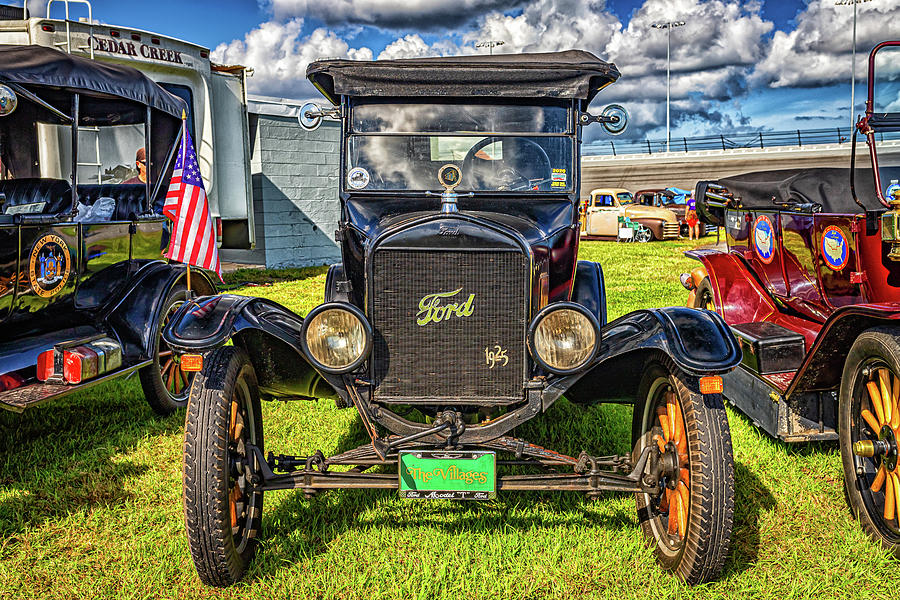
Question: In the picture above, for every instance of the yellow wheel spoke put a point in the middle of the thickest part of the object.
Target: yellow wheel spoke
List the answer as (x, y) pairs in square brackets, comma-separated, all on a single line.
[(664, 423), (674, 499), (889, 502), (682, 504), (875, 397), (884, 381), (879, 479), (671, 408), (870, 419), (234, 408), (895, 404)]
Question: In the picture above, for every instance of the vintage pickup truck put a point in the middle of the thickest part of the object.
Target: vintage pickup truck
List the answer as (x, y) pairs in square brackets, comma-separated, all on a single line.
[(605, 207)]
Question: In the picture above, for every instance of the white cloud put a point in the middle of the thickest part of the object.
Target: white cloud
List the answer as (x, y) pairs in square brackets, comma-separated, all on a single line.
[(279, 56), (818, 50), (409, 46), (712, 53)]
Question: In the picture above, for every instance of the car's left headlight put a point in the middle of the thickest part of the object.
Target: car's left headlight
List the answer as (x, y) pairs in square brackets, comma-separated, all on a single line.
[(564, 337), (336, 337)]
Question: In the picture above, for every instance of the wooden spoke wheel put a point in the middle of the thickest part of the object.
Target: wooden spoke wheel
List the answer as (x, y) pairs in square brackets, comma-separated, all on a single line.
[(222, 509), (166, 386), (688, 517), (869, 431)]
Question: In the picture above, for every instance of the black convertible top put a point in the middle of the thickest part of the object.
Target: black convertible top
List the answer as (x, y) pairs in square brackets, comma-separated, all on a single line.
[(37, 65), (570, 74), (827, 187)]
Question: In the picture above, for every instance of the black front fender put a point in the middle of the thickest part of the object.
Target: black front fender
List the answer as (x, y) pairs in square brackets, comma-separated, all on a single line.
[(270, 334), (697, 341)]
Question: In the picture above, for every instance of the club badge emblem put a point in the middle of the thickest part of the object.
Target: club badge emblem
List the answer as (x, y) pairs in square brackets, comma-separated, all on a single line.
[(764, 239), (49, 266), (835, 248)]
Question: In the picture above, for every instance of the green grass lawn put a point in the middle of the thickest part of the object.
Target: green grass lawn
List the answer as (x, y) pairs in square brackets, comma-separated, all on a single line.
[(90, 501)]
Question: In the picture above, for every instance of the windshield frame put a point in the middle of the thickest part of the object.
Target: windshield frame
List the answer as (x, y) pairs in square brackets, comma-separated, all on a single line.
[(572, 133), (873, 123)]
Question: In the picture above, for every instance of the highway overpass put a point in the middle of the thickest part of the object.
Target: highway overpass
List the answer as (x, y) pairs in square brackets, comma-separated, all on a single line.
[(685, 169)]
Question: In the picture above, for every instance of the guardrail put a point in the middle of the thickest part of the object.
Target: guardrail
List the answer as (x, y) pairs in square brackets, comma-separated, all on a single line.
[(734, 141)]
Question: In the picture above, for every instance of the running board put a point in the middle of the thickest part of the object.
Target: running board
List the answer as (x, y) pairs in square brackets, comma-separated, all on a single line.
[(805, 417), (26, 396)]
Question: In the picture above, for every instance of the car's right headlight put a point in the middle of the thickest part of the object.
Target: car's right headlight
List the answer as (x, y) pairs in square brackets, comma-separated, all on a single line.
[(564, 337), (336, 337)]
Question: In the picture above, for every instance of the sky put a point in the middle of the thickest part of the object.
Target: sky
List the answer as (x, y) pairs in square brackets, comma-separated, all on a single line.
[(736, 66)]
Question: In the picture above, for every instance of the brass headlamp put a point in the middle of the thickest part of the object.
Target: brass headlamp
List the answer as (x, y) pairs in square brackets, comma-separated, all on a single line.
[(890, 225)]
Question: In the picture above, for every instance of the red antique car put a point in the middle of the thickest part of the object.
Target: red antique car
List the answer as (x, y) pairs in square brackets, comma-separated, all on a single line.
[(810, 285)]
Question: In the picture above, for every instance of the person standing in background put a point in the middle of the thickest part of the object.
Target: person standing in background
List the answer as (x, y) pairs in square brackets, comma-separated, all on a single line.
[(690, 216)]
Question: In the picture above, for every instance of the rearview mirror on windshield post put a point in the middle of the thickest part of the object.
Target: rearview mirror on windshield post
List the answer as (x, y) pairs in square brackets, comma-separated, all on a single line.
[(614, 119)]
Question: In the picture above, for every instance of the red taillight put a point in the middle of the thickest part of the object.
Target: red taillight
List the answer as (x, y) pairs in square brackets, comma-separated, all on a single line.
[(191, 362), (219, 227), (114, 33), (155, 41), (711, 384), (48, 28), (204, 54), (135, 37)]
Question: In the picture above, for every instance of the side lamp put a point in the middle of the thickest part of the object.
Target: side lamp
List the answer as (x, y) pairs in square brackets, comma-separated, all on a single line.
[(890, 225)]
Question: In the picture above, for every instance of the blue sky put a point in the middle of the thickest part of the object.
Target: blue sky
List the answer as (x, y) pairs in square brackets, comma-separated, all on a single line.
[(737, 65)]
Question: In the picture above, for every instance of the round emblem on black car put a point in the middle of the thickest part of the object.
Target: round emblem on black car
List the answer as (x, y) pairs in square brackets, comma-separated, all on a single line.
[(449, 176), (49, 265)]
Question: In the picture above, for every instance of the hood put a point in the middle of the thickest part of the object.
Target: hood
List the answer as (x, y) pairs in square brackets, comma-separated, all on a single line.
[(533, 220), (650, 212)]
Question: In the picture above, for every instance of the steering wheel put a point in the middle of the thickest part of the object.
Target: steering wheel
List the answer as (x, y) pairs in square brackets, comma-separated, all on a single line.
[(517, 180)]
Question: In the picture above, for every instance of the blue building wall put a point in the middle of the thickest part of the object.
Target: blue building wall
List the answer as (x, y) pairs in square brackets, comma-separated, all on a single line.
[(295, 192)]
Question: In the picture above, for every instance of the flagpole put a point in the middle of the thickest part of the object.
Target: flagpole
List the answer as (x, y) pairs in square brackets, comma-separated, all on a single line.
[(184, 156)]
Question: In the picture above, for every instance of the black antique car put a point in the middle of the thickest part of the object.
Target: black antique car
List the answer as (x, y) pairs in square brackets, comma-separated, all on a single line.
[(83, 292), (459, 312)]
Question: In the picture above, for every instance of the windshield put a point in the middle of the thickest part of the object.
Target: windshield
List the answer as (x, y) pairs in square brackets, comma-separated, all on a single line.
[(402, 146), (886, 102), (36, 160), (625, 198)]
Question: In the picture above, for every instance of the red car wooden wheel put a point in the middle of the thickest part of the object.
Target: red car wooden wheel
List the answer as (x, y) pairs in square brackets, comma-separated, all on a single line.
[(869, 430)]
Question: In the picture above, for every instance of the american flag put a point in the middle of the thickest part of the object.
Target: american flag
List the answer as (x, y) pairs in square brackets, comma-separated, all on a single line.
[(193, 239)]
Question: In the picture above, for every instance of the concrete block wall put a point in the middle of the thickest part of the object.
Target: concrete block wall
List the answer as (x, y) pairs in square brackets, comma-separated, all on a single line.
[(295, 192)]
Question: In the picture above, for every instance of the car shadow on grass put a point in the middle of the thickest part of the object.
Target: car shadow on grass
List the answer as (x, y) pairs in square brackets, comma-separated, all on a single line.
[(299, 528), (58, 458), (751, 499)]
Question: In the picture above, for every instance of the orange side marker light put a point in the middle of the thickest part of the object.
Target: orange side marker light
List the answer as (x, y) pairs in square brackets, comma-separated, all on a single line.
[(711, 384), (191, 362)]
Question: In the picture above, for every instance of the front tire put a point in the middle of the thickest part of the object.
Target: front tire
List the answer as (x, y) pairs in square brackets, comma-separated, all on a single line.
[(222, 511), (643, 235), (166, 386), (872, 482), (689, 523)]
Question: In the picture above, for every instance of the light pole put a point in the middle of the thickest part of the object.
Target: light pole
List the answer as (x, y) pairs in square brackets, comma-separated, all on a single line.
[(853, 64), (668, 26), (489, 44)]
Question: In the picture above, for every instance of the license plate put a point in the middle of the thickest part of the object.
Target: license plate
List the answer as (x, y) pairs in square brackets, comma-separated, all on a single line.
[(447, 475)]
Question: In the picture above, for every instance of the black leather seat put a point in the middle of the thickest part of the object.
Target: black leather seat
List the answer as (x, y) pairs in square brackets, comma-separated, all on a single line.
[(56, 193), (129, 197)]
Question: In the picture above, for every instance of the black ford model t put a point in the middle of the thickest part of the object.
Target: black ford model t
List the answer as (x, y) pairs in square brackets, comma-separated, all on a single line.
[(459, 311), (83, 292)]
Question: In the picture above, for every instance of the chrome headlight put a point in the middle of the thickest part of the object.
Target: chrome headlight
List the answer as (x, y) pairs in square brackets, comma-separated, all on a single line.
[(564, 337), (336, 337)]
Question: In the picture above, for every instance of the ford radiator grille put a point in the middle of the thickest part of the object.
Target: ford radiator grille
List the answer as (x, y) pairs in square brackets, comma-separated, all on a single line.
[(449, 326)]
